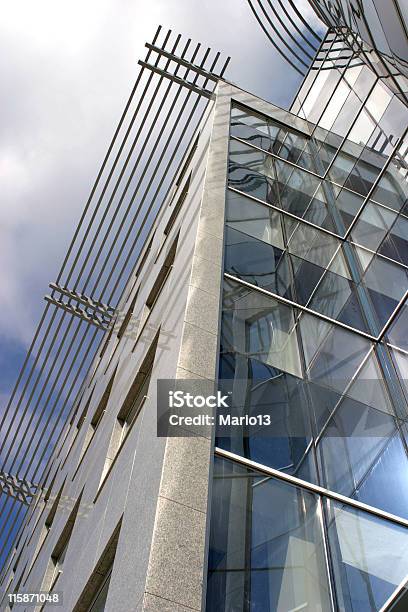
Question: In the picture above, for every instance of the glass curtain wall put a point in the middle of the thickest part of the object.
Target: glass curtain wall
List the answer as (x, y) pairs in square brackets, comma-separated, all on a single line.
[(311, 511), (377, 31)]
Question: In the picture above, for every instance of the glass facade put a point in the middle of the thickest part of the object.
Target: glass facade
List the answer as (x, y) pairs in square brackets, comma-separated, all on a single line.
[(377, 31), (312, 513)]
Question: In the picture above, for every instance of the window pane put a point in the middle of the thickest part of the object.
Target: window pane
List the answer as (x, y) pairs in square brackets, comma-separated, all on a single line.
[(260, 327), (266, 545), (386, 283), (397, 333), (370, 557), (332, 354), (254, 219), (359, 450), (260, 389), (257, 262), (373, 225)]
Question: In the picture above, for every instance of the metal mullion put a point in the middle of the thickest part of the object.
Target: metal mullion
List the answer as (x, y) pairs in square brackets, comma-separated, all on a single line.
[(52, 411), (192, 112), (376, 182), (123, 169), (397, 348), (393, 316), (327, 556), (16, 409), (313, 488), (380, 255), (139, 182), (345, 138), (288, 302), (341, 71), (342, 394), (287, 213), (103, 165)]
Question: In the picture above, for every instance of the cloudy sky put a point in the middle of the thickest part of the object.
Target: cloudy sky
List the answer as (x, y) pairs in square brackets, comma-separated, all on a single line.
[(66, 70)]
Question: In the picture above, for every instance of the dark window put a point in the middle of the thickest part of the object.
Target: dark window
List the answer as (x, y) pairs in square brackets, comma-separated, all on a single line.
[(187, 162), (128, 316), (159, 282), (93, 597), (177, 208), (55, 566)]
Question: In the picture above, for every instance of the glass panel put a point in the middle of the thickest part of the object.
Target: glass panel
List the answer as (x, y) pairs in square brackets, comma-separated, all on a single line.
[(254, 219), (332, 354), (359, 450), (370, 557), (372, 225), (395, 244), (398, 332), (266, 545), (257, 262), (258, 326), (276, 138), (308, 243), (392, 189), (259, 389), (253, 183), (243, 155), (386, 283), (337, 297), (400, 360)]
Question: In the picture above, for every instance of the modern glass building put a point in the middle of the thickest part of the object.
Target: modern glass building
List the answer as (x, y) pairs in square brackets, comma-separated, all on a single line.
[(275, 266)]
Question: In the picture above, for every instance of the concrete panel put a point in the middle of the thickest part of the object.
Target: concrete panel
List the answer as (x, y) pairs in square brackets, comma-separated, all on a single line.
[(176, 562)]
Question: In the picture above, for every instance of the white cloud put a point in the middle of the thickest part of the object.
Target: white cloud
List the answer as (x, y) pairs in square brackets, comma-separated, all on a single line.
[(66, 71)]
